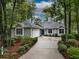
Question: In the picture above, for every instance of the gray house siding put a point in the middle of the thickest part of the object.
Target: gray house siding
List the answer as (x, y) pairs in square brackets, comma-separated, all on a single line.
[(54, 32), (27, 32)]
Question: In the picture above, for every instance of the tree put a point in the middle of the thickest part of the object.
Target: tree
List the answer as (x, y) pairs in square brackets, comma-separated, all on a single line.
[(12, 11), (76, 8)]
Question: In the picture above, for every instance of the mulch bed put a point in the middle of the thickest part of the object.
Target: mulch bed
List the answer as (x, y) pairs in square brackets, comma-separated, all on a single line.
[(65, 54), (11, 53), (13, 49)]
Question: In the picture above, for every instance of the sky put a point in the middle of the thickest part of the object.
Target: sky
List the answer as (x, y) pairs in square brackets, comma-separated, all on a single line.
[(40, 6), (38, 1)]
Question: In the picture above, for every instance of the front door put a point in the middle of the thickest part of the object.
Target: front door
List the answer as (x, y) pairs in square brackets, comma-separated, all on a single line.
[(42, 31)]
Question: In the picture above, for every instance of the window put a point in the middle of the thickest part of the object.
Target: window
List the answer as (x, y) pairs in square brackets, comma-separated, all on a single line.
[(19, 31), (49, 30), (61, 31)]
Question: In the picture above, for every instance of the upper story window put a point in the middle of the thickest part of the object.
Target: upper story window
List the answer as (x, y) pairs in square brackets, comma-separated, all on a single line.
[(49, 30)]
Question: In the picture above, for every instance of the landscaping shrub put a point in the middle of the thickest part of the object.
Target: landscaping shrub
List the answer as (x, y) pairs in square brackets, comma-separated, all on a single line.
[(27, 39), (26, 46), (63, 38), (73, 52), (21, 50), (18, 38), (77, 36), (60, 42), (8, 42), (69, 36), (35, 40), (62, 47), (70, 42)]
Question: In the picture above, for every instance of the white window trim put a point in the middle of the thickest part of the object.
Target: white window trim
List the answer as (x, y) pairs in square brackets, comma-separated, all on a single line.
[(22, 31), (61, 29), (31, 32), (51, 32)]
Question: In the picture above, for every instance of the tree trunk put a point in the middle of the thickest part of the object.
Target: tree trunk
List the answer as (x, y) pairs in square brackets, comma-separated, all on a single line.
[(65, 20), (69, 28), (77, 20)]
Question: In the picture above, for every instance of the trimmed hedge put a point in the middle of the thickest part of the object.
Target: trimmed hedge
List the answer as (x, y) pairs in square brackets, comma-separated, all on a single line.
[(76, 36), (62, 47), (21, 50), (73, 53), (69, 36)]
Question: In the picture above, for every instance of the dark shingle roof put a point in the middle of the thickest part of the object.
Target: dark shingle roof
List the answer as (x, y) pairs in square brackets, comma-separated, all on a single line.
[(52, 25), (29, 24)]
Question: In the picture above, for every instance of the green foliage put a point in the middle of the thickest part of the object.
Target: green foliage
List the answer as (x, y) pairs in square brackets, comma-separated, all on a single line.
[(60, 42), (69, 36), (27, 42), (62, 47), (12, 12), (21, 50), (0, 50), (73, 53), (26, 39), (70, 42), (35, 39), (26, 46), (19, 37), (77, 36)]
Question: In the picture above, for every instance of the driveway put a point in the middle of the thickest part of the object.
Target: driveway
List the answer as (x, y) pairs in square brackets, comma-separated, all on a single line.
[(45, 48)]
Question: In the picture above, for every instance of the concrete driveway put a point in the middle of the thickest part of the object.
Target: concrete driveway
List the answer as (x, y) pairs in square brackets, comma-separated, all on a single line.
[(45, 48)]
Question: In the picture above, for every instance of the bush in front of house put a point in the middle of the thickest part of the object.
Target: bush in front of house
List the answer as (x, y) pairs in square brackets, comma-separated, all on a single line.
[(77, 36), (18, 39), (73, 52), (29, 40), (70, 42), (27, 46), (69, 36), (26, 39), (27, 43), (35, 40), (62, 47), (22, 49)]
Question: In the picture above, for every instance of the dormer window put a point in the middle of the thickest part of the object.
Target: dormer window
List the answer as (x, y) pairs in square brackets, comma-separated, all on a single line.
[(61, 31), (19, 31)]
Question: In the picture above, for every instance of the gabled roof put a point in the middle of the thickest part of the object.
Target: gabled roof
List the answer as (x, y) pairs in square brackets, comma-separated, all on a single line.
[(28, 24), (52, 25)]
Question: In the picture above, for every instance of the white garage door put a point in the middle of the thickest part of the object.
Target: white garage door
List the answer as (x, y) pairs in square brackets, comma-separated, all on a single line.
[(36, 32)]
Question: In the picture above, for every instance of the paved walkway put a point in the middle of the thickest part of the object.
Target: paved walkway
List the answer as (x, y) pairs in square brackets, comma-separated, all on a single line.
[(45, 48)]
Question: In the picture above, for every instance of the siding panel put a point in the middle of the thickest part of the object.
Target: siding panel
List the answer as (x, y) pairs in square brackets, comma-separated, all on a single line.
[(27, 32)]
